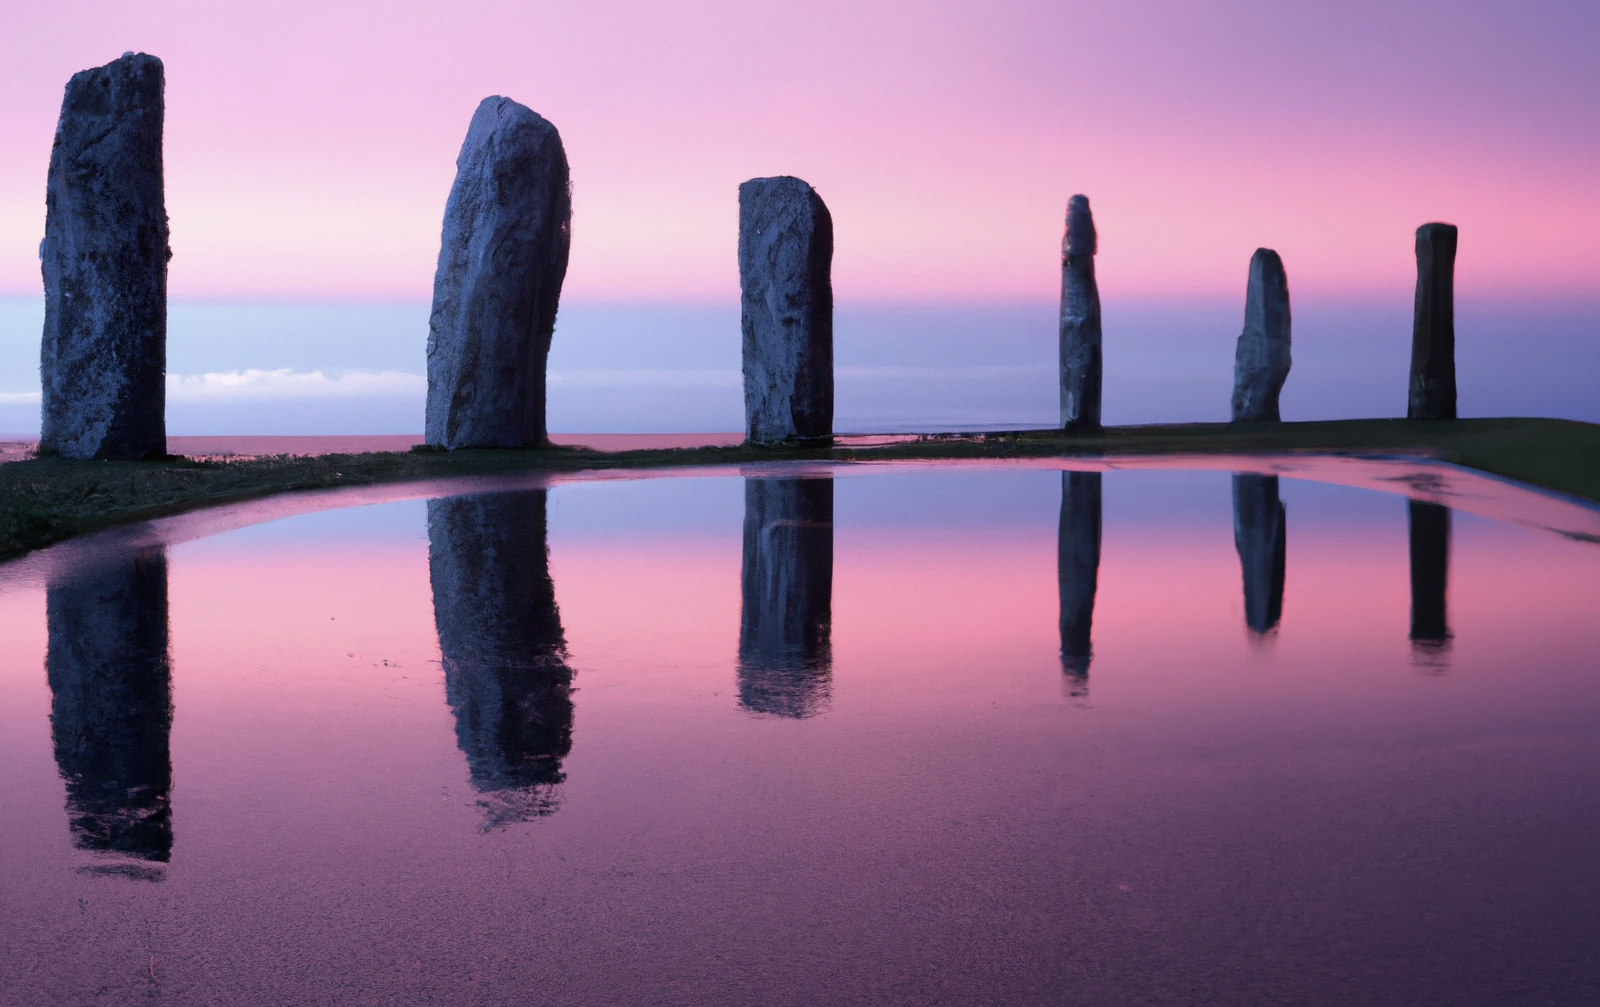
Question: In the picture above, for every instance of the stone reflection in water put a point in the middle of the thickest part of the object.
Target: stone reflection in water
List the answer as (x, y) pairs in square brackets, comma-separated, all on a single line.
[(1430, 576), (1260, 533), (111, 706), (505, 669), (786, 621), (1078, 573)]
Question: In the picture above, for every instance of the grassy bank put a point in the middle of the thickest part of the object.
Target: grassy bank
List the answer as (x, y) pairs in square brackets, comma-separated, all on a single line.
[(47, 500)]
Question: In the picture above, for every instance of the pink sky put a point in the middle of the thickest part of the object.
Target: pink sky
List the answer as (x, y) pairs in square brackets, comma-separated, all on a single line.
[(310, 146)]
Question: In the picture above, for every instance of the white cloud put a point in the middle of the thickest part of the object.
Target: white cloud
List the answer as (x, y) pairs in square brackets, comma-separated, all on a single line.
[(257, 385), (19, 398), (658, 378)]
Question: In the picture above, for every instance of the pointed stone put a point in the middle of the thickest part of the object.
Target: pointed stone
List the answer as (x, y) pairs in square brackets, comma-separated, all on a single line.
[(1080, 321), (103, 358), (1078, 573), (1260, 534), (502, 259), (1433, 331), (786, 307), (1261, 360)]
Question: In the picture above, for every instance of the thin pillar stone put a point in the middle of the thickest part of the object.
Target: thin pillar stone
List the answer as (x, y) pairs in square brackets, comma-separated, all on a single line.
[(1261, 360), (103, 356), (786, 309), (1080, 321), (502, 260), (506, 675), (1429, 526), (1433, 331), (786, 615), (1078, 573), (1260, 534)]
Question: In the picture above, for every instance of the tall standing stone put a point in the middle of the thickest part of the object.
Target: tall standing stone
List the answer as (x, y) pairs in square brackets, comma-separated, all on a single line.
[(1261, 359), (1260, 534), (502, 259), (1429, 528), (786, 586), (1080, 321), (786, 307), (1433, 331), (1078, 573), (103, 358)]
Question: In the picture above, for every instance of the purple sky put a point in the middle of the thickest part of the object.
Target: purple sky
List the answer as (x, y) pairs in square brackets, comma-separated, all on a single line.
[(310, 145)]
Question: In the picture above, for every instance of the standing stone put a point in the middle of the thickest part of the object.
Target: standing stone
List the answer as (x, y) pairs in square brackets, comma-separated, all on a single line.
[(1078, 573), (786, 306), (502, 258), (1433, 331), (1080, 321), (1260, 534), (103, 358), (1429, 527), (786, 586), (1261, 360)]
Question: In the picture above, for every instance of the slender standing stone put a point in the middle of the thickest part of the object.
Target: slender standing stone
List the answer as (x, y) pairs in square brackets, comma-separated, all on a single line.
[(506, 675), (1078, 573), (1433, 332), (103, 358), (1261, 360), (786, 619), (1260, 533), (502, 259), (786, 307), (1080, 321), (1429, 526), (111, 702)]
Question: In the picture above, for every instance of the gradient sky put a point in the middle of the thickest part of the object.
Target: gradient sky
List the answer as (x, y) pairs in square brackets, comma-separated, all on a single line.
[(310, 145)]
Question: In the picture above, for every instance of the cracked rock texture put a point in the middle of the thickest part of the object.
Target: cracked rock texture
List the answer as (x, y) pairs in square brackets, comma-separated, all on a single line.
[(1080, 321), (103, 355), (502, 259), (1433, 332), (1261, 361), (785, 258)]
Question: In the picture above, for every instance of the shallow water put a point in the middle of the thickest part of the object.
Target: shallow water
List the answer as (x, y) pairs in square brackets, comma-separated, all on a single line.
[(933, 734)]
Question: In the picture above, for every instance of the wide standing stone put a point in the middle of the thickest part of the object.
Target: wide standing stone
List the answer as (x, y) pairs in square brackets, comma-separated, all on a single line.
[(1433, 331), (1260, 534), (786, 302), (786, 615), (1078, 573), (1261, 360), (502, 259), (103, 358), (1080, 321)]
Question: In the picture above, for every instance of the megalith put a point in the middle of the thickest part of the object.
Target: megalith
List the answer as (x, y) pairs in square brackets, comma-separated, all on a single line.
[(1078, 573), (502, 259), (103, 356), (1433, 330), (1428, 526), (786, 310), (1261, 360), (1080, 321), (1260, 534), (786, 591)]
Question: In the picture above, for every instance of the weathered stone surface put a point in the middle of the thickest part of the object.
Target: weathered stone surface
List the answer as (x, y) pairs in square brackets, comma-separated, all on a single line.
[(1080, 321), (1260, 533), (1433, 330), (111, 701), (502, 259), (1261, 360), (103, 358), (505, 670), (786, 619), (1429, 526), (1078, 573), (786, 302)]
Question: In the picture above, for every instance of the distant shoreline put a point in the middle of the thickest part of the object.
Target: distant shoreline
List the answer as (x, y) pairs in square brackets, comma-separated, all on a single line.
[(49, 500)]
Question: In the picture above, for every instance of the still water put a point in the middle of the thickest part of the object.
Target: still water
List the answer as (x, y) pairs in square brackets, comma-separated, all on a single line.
[(977, 734)]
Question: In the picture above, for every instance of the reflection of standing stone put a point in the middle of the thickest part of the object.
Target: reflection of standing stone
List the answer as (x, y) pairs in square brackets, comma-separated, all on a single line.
[(1261, 359), (111, 702), (1430, 575), (1078, 572), (785, 624), (1080, 321), (504, 654), (785, 255), (103, 357), (502, 259), (1260, 533), (1433, 332)]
